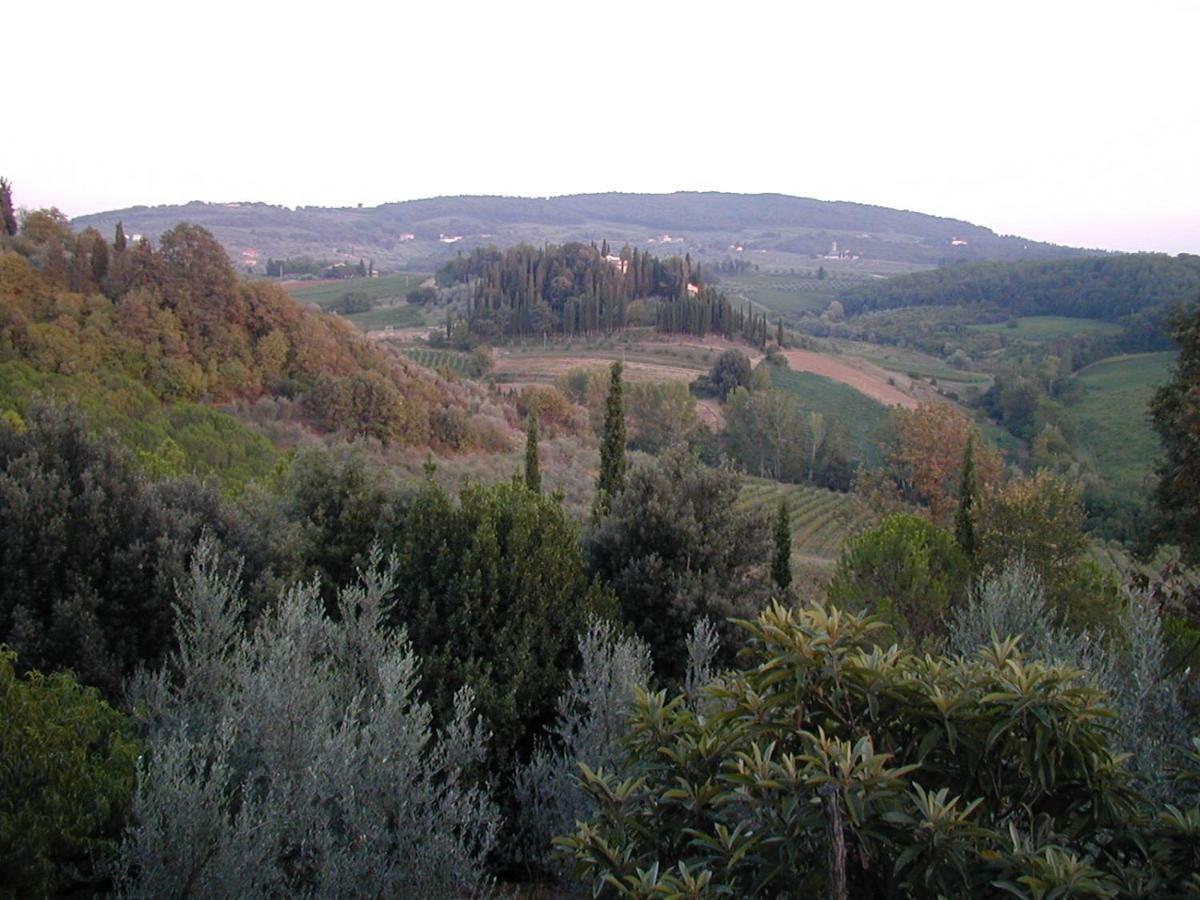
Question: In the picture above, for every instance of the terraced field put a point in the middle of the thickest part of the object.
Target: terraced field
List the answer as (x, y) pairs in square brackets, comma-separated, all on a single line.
[(821, 519), (440, 359)]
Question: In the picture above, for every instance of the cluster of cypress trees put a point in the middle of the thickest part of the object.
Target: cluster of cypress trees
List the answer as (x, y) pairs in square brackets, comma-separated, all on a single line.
[(578, 288)]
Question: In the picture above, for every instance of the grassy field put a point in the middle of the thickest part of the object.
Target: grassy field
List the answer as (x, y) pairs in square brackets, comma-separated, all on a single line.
[(1048, 328), (326, 293), (909, 362), (401, 315), (861, 416), (1110, 424), (782, 292), (821, 520), (389, 292)]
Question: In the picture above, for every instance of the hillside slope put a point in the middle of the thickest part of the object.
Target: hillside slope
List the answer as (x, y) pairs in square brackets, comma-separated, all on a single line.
[(176, 322), (426, 232)]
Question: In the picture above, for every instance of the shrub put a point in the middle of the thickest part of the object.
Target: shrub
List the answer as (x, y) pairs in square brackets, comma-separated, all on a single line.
[(676, 548), (1129, 665), (494, 593), (832, 767), (591, 722), (66, 777), (906, 570), (298, 759)]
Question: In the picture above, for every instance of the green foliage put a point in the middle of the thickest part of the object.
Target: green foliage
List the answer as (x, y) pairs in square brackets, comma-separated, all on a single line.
[(662, 413), (297, 758), (177, 439), (611, 479), (1134, 290), (770, 434), (906, 570), (731, 370), (354, 302), (676, 548), (494, 594), (830, 763), (533, 471), (968, 490), (66, 779), (859, 418), (781, 558), (1176, 414), (91, 548), (1040, 520)]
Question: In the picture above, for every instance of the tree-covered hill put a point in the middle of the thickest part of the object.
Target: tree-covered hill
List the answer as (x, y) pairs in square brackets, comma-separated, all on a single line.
[(432, 230), (177, 319), (1137, 290)]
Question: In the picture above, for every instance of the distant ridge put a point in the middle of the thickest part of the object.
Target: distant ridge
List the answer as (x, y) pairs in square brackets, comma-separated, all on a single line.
[(707, 224)]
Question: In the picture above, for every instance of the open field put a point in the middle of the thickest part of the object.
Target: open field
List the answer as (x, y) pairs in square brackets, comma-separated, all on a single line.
[(857, 413), (821, 519), (908, 361), (1048, 328), (400, 315), (799, 289), (1110, 425), (859, 375), (676, 358), (326, 293)]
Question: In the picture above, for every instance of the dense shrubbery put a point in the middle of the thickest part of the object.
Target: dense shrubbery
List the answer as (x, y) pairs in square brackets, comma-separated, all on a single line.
[(90, 549), (831, 766), (675, 548), (298, 758), (66, 775)]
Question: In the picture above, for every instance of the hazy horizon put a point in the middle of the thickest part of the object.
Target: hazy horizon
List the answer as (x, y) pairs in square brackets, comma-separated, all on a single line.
[(1075, 123)]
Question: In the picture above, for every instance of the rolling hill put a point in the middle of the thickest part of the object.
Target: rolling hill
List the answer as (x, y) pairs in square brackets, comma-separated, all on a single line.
[(773, 229)]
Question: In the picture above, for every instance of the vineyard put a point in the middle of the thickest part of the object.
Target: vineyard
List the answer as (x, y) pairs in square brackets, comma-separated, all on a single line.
[(821, 519), (459, 363)]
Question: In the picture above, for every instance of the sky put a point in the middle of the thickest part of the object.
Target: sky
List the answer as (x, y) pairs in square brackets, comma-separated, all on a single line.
[(1072, 122)]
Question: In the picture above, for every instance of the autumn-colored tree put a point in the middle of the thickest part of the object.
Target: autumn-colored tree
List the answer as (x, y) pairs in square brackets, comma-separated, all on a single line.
[(928, 454)]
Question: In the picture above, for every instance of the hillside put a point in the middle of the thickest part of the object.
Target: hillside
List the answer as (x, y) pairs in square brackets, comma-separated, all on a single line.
[(1136, 290), (124, 327), (769, 228)]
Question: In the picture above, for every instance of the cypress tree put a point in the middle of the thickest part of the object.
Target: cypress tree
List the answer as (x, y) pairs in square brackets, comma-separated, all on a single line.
[(8, 219), (120, 243), (781, 561), (533, 472), (612, 447), (964, 524)]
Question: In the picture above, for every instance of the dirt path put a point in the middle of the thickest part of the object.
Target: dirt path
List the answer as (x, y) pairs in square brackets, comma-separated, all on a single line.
[(862, 376)]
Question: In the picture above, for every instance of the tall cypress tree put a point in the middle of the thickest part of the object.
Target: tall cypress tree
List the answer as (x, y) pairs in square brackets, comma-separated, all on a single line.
[(120, 243), (8, 219), (781, 561), (964, 523), (533, 471), (612, 447)]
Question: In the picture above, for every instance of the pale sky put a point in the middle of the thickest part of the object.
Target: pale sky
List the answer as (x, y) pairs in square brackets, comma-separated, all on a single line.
[(1073, 122)]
